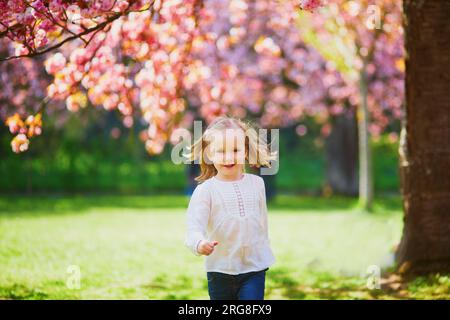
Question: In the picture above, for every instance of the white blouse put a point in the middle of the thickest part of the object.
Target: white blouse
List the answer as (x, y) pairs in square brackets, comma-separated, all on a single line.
[(234, 213)]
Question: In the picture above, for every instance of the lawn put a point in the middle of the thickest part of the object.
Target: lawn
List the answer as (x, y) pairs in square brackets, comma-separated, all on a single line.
[(131, 247)]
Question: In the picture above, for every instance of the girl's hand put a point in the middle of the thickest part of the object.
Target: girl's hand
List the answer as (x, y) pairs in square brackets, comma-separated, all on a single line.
[(206, 248)]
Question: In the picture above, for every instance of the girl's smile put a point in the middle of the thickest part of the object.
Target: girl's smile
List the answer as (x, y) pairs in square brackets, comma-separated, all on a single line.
[(228, 153), (228, 166)]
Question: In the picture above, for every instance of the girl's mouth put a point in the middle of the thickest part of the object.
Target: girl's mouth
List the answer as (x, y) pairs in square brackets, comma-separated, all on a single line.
[(228, 165)]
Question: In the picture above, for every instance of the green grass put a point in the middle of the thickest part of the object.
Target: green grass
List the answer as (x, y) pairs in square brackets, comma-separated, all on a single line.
[(132, 248)]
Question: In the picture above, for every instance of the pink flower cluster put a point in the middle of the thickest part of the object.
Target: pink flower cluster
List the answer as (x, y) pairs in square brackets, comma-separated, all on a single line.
[(35, 24), (310, 4), (186, 59)]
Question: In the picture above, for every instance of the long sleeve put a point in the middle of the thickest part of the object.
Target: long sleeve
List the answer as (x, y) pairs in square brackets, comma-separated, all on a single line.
[(197, 217), (233, 213)]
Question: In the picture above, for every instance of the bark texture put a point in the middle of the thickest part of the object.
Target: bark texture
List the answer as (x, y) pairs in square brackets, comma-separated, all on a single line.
[(425, 139)]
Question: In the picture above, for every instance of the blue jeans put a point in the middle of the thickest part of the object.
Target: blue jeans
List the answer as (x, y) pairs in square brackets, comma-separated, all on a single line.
[(243, 286)]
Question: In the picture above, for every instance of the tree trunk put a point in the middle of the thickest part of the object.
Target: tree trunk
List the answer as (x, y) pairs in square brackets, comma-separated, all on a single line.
[(342, 155), (365, 154), (425, 142)]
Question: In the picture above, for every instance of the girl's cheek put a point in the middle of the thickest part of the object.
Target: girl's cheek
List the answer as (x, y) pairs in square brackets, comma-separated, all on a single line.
[(241, 157), (218, 159)]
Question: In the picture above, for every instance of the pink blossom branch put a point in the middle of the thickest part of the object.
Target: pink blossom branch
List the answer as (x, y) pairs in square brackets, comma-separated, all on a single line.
[(87, 31)]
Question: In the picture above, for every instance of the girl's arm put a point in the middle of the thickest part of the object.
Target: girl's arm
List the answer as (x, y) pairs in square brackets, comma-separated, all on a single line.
[(198, 213)]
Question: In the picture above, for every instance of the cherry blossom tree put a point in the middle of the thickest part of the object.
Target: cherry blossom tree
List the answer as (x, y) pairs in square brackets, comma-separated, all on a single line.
[(149, 59), (87, 32), (40, 26), (22, 95), (364, 41)]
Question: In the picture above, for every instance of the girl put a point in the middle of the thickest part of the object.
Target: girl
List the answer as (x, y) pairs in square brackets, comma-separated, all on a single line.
[(227, 213)]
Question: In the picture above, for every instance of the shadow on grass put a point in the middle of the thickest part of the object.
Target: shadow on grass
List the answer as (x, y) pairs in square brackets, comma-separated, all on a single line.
[(280, 283), (50, 289), (321, 285), (20, 292), (432, 286), (166, 287)]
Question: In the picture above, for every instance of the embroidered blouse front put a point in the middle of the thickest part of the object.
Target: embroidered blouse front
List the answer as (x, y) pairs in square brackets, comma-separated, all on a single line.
[(235, 214)]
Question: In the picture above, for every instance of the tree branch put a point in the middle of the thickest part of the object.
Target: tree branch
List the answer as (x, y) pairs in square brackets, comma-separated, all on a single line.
[(80, 35)]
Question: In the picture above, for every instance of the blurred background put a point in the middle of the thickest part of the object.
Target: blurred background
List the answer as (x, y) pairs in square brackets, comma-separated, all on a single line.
[(97, 154)]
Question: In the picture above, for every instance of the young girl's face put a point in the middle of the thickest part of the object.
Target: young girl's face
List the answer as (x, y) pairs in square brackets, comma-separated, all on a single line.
[(227, 152)]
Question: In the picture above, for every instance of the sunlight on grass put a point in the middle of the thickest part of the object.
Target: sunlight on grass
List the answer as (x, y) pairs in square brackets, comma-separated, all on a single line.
[(138, 253)]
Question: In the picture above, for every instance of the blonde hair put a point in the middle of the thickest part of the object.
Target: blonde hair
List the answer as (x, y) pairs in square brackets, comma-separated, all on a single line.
[(257, 150)]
